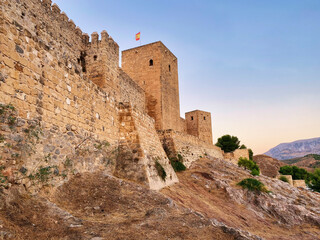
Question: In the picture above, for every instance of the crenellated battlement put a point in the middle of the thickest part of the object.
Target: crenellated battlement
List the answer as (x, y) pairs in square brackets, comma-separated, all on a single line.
[(102, 62), (105, 41)]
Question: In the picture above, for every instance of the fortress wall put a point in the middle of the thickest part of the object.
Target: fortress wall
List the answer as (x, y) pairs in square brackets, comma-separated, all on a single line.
[(42, 74), (131, 92), (188, 146), (140, 148), (183, 125), (299, 183), (289, 178), (42, 77), (235, 155)]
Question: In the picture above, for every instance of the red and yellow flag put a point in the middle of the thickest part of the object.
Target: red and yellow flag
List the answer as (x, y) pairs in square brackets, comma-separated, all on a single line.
[(138, 36)]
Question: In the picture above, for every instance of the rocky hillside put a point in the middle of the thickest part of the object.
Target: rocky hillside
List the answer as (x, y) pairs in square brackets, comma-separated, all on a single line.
[(295, 149), (309, 162), (206, 204)]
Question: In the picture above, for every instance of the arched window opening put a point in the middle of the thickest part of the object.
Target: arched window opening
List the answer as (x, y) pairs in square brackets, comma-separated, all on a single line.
[(95, 57), (191, 118), (151, 62), (204, 118)]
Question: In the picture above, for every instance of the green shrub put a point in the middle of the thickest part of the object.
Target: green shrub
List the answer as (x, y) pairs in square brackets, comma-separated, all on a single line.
[(255, 172), (314, 183), (315, 156), (249, 164), (177, 165), (311, 179), (228, 143), (161, 172), (250, 154), (243, 147), (252, 185), (2, 138), (296, 172), (284, 179)]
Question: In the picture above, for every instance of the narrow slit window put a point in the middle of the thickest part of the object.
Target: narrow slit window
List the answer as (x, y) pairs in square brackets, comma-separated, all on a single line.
[(204, 118), (169, 68), (95, 57), (191, 118), (151, 62)]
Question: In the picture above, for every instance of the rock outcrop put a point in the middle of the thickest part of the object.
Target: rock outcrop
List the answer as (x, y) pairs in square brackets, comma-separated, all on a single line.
[(268, 166)]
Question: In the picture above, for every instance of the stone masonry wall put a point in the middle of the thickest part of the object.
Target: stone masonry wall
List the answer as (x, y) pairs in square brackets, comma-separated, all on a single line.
[(299, 183), (235, 155), (41, 75), (131, 92), (189, 147), (140, 149)]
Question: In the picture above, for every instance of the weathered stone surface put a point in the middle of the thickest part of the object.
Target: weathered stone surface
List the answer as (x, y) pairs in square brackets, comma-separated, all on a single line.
[(268, 166), (19, 49)]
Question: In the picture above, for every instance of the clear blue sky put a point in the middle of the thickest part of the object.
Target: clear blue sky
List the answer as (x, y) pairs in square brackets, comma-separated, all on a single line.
[(254, 64)]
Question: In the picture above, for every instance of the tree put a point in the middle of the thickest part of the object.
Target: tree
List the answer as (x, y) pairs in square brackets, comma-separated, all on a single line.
[(228, 143), (250, 154), (243, 146)]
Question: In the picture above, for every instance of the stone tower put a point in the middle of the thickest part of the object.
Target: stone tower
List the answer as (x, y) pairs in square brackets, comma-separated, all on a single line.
[(155, 69), (199, 125), (100, 61)]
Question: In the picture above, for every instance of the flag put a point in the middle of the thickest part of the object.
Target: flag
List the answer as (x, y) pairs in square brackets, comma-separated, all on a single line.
[(138, 36)]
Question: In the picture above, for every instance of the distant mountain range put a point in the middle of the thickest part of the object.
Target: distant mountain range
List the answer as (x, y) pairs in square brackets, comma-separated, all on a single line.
[(295, 149)]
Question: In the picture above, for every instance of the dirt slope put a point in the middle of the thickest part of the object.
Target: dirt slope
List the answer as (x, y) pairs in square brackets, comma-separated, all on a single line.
[(206, 204), (94, 206), (209, 187)]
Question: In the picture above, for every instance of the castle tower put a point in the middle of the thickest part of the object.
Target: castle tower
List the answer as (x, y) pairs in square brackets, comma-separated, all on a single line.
[(199, 125), (155, 69), (100, 61)]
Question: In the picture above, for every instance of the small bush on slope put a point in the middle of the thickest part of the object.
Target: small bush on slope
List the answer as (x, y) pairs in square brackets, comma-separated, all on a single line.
[(177, 163), (252, 185), (284, 179), (249, 164)]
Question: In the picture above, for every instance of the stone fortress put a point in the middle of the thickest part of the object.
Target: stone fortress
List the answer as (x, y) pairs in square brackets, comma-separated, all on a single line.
[(75, 90)]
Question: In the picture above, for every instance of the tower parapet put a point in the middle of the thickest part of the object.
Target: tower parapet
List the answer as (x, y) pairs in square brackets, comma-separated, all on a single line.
[(102, 62)]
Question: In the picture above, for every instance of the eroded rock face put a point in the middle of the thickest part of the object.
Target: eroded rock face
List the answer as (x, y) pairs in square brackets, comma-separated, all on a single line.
[(268, 166)]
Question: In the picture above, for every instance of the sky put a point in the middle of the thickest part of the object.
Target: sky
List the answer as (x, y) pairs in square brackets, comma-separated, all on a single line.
[(254, 64)]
